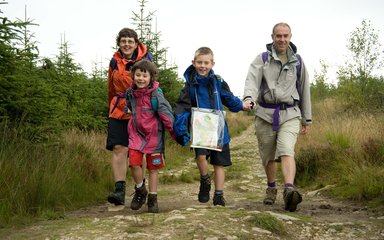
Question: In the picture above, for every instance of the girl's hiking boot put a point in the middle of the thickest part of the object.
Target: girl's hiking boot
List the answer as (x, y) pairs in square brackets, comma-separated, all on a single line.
[(152, 203), (218, 199), (205, 187), (292, 198), (270, 197), (139, 198), (118, 196)]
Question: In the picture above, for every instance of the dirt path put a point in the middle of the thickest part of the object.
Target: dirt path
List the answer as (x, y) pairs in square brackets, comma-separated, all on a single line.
[(245, 217)]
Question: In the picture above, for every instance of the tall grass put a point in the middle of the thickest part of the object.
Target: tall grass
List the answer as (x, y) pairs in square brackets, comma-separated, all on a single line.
[(46, 180), (344, 149), (36, 179)]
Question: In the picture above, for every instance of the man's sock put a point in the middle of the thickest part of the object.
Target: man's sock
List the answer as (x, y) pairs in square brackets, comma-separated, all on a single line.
[(289, 185)]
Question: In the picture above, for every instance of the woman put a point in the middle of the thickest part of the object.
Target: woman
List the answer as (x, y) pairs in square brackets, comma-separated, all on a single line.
[(130, 51)]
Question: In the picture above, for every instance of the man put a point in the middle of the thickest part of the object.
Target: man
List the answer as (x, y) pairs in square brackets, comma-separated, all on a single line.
[(278, 82)]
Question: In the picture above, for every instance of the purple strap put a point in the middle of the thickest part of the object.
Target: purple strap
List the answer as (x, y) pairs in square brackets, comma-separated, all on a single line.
[(121, 95), (277, 107)]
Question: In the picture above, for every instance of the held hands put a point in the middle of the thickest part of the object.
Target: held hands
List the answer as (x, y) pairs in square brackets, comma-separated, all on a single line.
[(183, 139), (248, 105)]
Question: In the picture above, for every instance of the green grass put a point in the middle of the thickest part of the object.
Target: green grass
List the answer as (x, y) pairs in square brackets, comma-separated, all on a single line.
[(268, 222), (44, 180), (40, 180), (345, 150)]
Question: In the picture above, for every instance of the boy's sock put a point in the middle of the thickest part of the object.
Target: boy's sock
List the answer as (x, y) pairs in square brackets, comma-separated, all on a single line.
[(219, 192)]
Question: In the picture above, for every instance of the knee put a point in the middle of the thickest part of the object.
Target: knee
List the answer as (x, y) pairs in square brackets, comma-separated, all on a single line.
[(120, 150)]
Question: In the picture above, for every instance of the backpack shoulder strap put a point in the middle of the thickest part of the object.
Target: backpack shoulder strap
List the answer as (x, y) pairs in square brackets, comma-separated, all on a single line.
[(154, 100), (264, 56), (298, 67), (113, 64)]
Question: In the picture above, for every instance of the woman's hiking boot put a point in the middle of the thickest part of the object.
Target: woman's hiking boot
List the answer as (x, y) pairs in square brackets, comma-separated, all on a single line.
[(139, 197), (270, 197), (205, 187), (292, 198), (152, 203), (118, 196)]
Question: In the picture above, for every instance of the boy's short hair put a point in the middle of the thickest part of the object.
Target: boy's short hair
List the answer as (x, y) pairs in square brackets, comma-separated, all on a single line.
[(127, 32), (203, 51), (145, 65)]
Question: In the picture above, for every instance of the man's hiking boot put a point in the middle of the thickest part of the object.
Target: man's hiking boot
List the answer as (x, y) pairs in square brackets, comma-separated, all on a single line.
[(218, 199), (118, 196), (292, 198), (270, 197), (205, 187), (153, 207), (139, 197)]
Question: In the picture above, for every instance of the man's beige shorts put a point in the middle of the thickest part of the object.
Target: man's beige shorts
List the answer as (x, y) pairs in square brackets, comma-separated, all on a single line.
[(273, 144)]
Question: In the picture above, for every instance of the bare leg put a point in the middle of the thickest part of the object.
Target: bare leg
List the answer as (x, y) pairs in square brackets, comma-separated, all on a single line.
[(137, 174), (153, 180), (270, 170), (119, 162), (219, 177), (288, 168), (202, 165)]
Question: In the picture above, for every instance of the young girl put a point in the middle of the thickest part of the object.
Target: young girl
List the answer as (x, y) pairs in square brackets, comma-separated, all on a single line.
[(146, 131)]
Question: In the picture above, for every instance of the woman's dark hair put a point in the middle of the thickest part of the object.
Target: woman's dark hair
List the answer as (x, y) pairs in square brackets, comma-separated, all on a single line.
[(145, 66), (126, 32)]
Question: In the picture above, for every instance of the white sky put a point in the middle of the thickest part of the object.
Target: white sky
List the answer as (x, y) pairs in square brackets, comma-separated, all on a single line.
[(235, 30)]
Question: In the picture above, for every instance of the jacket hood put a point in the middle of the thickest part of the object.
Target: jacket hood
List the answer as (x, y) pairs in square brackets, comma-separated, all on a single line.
[(291, 45), (190, 75)]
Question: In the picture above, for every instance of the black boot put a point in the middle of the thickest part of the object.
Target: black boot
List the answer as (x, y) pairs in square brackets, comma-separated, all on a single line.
[(205, 187), (118, 196)]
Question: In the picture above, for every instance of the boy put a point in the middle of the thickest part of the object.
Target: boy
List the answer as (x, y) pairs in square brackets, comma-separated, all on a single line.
[(146, 131), (204, 89)]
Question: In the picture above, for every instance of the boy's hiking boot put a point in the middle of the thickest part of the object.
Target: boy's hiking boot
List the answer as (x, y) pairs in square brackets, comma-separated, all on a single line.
[(292, 198), (270, 197), (153, 207), (118, 196), (218, 199), (139, 198), (205, 187)]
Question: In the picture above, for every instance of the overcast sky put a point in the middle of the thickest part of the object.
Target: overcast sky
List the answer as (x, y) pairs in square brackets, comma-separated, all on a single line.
[(235, 30)]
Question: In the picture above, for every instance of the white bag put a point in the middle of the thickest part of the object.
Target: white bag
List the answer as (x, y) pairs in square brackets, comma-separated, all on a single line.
[(207, 128)]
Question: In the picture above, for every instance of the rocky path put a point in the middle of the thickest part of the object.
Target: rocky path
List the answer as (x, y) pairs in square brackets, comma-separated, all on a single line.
[(245, 217)]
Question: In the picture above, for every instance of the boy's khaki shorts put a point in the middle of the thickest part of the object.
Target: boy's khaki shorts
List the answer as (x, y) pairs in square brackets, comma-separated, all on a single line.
[(273, 144)]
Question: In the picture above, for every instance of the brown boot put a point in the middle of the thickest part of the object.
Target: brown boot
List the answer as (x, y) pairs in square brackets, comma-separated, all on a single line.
[(152, 203), (292, 198), (270, 197), (139, 198)]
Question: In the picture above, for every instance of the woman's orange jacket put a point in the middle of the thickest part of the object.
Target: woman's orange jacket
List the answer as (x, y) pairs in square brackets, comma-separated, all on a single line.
[(119, 80)]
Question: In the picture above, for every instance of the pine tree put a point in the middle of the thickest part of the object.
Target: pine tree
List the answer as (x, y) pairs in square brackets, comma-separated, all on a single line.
[(168, 79)]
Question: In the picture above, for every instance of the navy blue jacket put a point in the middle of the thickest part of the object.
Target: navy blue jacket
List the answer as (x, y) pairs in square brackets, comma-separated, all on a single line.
[(201, 90)]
